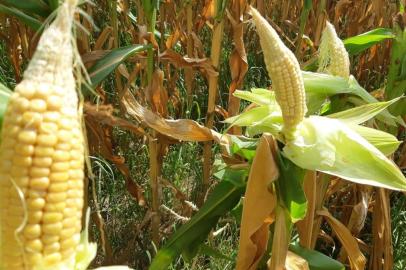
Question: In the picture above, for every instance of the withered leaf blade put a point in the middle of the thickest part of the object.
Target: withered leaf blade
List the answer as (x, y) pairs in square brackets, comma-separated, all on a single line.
[(182, 129), (355, 256), (156, 93), (180, 62), (259, 204)]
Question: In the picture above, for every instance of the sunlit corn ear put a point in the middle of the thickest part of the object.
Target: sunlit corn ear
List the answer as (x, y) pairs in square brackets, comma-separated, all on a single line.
[(333, 57), (330, 146), (285, 73), (42, 158)]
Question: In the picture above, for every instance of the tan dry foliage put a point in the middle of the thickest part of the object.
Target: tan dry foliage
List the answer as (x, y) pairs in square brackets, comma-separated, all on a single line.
[(259, 204), (350, 244), (281, 240), (182, 129)]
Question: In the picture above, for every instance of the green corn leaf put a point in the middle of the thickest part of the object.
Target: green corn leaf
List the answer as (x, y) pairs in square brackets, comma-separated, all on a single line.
[(244, 147), (324, 84), (363, 113), (34, 7), (32, 22), (315, 259), (357, 44), (290, 188), (105, 65), (330, 146), (223, 198), (258, 96), (252, 116), (385, 116), (54, 4), (383, 141)]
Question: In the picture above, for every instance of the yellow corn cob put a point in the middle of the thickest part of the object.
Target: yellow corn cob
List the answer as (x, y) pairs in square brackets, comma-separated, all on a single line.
[(284, 70), (333, 58), (42, 157)]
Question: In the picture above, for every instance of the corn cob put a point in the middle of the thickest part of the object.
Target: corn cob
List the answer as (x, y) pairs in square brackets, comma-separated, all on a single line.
[(42, 157), (333, 57), (284, 70)]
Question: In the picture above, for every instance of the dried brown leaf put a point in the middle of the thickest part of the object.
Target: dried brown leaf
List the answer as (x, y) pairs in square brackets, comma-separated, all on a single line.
[(355, 256), (180, 61), (254, 230), (156, 93), (182, 129), (280, 241)]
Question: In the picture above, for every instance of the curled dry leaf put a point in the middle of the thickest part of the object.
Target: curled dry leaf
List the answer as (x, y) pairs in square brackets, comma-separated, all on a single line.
[(350, 244), (259, 204), (238, 59), (179, 61), (181, 129), (156, 93), (280, 241)]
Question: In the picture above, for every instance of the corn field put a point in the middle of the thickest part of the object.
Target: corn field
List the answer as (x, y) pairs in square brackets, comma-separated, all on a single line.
[(211, 134)]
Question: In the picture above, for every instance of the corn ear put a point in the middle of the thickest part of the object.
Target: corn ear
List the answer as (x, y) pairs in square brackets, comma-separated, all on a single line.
[(42, 158), (333, 57), (285, 73)]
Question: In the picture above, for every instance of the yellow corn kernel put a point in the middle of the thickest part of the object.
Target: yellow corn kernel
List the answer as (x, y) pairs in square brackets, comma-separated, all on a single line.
[(47, 140), (49, 239), (40, 183), (42, 162), (31, 119), (32, 231), (27, 136), (52, 217), (38, 105), (25, 149), (54, 102), (52, 228)]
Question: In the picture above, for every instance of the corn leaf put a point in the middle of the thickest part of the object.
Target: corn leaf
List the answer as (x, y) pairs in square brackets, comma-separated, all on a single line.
[(357, 44), (251, 117), (181, 129), (105, 65), (396, 80), (25, 18), (330, 146), (385, 116), (258, 96), (223, 198), (324, 84), (363, 113), (290, 188), (254, 230), (383, 141), (355, 256), (316, 260), (34, 7)]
